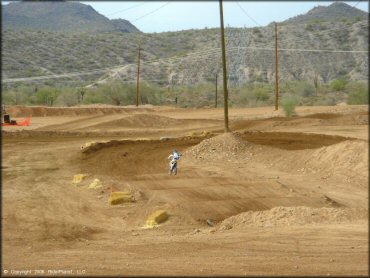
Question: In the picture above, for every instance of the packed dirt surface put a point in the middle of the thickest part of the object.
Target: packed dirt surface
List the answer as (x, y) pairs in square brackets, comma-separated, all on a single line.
[(276, 196)]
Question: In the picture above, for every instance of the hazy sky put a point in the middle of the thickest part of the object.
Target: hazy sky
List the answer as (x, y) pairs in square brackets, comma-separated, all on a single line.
[(198, 15), (155, 16)]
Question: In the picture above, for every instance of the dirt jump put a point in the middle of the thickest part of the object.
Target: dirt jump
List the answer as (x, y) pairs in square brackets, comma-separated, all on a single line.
[(87, 191)]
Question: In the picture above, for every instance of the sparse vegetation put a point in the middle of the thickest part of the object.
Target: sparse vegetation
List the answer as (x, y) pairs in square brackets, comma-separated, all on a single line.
[(359, 94), (338, 84), (289, 103), (198, 95)]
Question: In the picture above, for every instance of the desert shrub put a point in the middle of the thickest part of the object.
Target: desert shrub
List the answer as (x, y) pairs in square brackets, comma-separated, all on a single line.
[(261, 93), (309, 27), (117, 93), (289, 103), (68, 97), (304, 89), (22, 95), (46, 95), (359, 94), (338, 84), (94, 96), (151, 94), (8, 97), (243, 96)]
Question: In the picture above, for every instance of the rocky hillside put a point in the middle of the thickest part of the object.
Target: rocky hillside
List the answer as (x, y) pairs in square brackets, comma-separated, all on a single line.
[(59, 16), (336, 11), (194, 56)]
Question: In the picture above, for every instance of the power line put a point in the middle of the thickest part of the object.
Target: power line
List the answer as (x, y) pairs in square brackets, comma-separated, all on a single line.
[(119, 68), (310, 50), (354, 6), (192, 56), (247, 14), (150, 12), (129, 8)]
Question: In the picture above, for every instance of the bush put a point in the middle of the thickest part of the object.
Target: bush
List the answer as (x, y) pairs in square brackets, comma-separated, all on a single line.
[(289, 104), (359, 95), (68, 97), (261, 94), (151, 94), (338, 84), (306, 89), (94, 96), (46, 96), (8, 97), (118, 93)]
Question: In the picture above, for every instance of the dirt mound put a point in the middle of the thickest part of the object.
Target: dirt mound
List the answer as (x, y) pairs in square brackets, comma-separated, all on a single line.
[(349, 154), (230, 146), (42, 111), (140, 121), (289, 216)]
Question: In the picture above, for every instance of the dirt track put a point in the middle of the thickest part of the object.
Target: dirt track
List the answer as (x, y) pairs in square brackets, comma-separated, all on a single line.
[(287, 196)]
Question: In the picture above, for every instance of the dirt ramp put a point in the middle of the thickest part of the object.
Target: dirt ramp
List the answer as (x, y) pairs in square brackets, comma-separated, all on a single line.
[(289, 216), (140, 121), (359, 118), (291, 140), (340, 158), (131, 157), (228, 146), (313, 120), (351, 154)]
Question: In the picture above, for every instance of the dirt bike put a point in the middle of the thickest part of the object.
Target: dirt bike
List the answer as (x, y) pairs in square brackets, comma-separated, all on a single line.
[(173, 166)]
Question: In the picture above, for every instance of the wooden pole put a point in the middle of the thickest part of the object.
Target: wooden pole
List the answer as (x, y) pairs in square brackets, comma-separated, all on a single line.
[(138, 78), (226, 116), (276, 71), (216, 93)]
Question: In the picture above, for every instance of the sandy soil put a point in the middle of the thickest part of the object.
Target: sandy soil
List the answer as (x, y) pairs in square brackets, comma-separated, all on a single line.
[(286, 196)]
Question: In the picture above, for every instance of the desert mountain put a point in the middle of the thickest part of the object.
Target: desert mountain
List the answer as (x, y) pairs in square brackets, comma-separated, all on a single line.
[(339, 32), (335, 11), (60, 16)]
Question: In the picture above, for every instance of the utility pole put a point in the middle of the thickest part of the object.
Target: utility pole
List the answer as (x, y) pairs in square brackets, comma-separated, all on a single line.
[(276, 71), (226, 116), (138, 78), (216, 93)]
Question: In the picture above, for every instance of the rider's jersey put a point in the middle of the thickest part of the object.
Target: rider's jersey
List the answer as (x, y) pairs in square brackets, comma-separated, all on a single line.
[(176, 156)]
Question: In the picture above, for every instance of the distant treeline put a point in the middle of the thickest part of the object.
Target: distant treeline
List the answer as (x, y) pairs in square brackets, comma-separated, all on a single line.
[(201, 95)]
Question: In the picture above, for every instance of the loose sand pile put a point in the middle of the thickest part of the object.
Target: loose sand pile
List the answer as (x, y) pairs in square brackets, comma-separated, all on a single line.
[(288, 216), (229, 146)]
